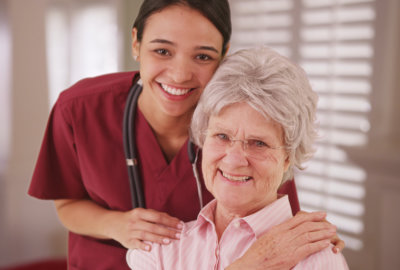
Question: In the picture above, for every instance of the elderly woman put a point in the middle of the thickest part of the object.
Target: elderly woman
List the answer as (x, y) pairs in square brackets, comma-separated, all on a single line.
[(255, 123)]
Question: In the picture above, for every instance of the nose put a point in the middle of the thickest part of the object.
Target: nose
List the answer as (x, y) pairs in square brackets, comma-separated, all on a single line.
[(235, 155), (181, 70), (243, 143)]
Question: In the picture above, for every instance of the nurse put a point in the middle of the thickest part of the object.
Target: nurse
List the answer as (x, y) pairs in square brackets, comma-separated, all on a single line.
[(81, 165)]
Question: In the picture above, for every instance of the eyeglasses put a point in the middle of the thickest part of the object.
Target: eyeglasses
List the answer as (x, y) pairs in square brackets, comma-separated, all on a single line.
[(254, 148)]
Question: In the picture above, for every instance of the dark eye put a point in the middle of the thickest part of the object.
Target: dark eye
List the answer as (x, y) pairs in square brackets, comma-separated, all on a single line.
[(222, 137), (258, 143), (203, 57), (162, 52)]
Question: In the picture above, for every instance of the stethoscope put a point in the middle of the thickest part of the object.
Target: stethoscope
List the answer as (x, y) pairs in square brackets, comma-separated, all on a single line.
[(128, 131)]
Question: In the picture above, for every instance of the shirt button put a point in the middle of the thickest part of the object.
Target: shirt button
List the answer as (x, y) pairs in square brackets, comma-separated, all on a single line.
[(236, 224)]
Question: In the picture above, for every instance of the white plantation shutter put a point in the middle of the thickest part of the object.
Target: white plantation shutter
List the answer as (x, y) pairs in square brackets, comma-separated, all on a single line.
[(333, 41)]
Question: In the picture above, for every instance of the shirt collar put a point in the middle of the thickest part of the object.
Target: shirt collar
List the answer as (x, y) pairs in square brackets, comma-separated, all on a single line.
[(260, 222), (273, 214), (206, 215)]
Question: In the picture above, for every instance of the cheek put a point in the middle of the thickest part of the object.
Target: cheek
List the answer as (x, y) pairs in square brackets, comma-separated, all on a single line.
[(149, 65), (196, 96), (209, 164), (273, 159), (277, 160), (272, 171), (206, 73), (270, 183)]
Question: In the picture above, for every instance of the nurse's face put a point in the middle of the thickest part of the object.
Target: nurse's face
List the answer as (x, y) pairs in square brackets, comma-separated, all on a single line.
[(179, 52), (243, 178)]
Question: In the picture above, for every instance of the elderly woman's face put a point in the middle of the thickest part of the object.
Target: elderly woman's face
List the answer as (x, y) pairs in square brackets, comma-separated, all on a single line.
[(243, 177)]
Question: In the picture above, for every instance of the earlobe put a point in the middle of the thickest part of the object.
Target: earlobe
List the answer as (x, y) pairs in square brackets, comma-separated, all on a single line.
[(135, 45)]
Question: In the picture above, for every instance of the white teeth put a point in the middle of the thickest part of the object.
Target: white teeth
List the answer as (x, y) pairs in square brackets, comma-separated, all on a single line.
[(175, 91), (236, 178)]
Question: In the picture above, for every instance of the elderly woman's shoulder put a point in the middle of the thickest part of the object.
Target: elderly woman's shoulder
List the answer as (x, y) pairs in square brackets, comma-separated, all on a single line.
[(325, 259)]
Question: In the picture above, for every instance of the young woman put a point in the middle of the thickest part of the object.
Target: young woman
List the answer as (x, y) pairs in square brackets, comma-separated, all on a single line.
[(81, 165)]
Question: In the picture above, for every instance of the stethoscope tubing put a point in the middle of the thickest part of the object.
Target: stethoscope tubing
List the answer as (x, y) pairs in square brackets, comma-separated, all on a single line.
[(135, 184), (128, 133), (193, 155)]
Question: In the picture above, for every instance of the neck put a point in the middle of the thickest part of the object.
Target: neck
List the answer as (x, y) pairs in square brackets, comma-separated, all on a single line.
[(171, 132), (224, 215), (222, 218)]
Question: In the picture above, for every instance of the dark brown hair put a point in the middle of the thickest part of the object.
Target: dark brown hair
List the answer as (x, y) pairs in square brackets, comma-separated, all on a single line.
[(217, 11)]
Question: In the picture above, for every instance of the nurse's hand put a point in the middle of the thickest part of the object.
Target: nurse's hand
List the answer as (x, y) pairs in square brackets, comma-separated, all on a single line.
[(134, 227), (338, 244), (285, 245)]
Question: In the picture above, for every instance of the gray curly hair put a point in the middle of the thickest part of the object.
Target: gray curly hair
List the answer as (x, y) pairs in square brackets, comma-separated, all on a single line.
[(272, 85)]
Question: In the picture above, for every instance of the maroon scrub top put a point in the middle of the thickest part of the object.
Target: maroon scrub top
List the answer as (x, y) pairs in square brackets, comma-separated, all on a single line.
[(82, 157)]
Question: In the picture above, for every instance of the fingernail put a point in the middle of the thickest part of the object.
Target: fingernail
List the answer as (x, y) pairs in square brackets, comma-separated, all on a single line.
[(178, 235), (166, 241), (147, 248), (336, 250), (180, 225)]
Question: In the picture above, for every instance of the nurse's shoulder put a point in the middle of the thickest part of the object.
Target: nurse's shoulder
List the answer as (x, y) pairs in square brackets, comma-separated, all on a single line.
[(91, 87)]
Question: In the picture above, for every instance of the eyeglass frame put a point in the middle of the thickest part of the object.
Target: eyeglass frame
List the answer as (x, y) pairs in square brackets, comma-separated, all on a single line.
[(245, 143)]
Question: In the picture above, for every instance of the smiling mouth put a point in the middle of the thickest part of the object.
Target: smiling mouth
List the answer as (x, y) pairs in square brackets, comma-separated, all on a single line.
[(233, 178), (175, 91)]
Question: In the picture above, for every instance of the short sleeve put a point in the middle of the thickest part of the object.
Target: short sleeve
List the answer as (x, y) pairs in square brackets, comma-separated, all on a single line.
[(141, 260), (57, 174)]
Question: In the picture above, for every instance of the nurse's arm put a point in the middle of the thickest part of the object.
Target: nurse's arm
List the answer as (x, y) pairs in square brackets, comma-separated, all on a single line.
[(129, 228)]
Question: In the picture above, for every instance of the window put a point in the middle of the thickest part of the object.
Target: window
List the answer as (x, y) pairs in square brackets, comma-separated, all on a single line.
[(5, 92), (82, 41), (333, 41)]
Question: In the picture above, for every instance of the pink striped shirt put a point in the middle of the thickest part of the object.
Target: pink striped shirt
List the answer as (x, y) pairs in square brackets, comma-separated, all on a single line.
[(199, 246)]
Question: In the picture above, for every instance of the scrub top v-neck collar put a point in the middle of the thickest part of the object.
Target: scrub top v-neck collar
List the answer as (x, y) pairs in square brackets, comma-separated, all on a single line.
[(159, 177)]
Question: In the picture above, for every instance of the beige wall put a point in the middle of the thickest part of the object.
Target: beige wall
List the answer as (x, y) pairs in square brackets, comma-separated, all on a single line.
[(30, 229)]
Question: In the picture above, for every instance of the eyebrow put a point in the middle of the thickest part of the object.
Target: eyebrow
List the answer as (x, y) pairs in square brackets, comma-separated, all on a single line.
[(208, 48), (266, 138), (220, 129), (164, 41)]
